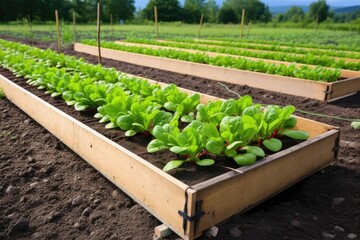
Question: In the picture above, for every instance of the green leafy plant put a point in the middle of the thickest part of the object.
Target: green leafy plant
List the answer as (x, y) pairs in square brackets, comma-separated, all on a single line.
[(214, 112), (2, 94), (237, 134), (274, 122), (355, 124), (187, 143), (142, 118)]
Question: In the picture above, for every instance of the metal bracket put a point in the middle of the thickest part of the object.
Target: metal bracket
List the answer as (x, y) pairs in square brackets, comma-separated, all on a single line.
[(336, 147), (328, 92), (184, 214)]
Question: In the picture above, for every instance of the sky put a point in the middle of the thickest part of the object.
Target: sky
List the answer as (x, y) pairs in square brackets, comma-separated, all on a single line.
[(333, 3)]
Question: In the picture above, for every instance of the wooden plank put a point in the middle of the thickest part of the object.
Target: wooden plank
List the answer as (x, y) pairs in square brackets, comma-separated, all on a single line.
[(288, 85), (346, 87), (239, 192), (345, 73), (163, 231), (134, 175), (314, 128)]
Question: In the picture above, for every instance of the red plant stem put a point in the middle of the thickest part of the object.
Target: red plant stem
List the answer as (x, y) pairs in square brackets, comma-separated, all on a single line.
[(203, 153)]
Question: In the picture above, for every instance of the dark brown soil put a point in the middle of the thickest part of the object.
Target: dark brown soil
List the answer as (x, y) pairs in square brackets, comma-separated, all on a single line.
[(47, 177)]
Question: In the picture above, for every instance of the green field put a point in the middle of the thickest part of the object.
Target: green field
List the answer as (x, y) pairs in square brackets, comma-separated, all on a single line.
[(337, 39)]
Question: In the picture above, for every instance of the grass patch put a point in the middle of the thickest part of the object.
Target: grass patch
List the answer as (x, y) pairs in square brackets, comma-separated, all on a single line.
[(2, 94)]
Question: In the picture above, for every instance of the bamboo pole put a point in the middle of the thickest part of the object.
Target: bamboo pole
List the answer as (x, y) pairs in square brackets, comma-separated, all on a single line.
[(30, 26), (317, 23), (201, 23), (242, 23), (74, 25), (111, 26), (156, 22), (57, 31), (249, 27), (98, 32)]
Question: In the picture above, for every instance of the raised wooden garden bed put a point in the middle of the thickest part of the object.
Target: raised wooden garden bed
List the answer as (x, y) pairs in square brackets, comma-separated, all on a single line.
[(187, 210), (345, 73), (306, 88)]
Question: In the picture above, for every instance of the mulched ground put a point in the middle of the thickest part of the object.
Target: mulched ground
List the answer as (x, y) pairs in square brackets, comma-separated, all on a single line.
[(48, 192)]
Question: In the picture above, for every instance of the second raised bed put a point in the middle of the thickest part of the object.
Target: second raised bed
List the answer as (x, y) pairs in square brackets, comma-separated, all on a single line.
[(299, 87)]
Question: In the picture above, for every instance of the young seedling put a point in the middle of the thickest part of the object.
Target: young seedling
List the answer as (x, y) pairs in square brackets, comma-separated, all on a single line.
[(2, 94)]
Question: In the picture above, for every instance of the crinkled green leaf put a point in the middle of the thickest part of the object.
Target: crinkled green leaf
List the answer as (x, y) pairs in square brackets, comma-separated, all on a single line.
[(187, 118), (125, 122), (257, 151), (172, 165), (230, 152), (205, 162), (209, 130), (170, 106), (130, 133), (215, 146), (290, 122), (179, 150), (228, 107), (79, 95), (234, 145), (298, 135), (80, 107), (245, 159), (356, 124), (156, 145), (110, 125), (273, 144)]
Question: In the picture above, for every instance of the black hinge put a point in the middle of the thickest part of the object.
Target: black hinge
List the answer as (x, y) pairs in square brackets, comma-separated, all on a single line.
[(328, 92), (184, 214), (336, 147)]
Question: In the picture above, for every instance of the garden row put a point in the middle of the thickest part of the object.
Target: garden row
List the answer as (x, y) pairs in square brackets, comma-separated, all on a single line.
[(295, 38), (303, 72), (287, 47), (306, 57), (187, 210), (167, 59)]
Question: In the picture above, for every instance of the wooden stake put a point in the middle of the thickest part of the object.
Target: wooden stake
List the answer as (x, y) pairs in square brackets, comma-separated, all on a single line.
[(201, 23), (317, 22), (111, 26), (242, 23), (30, 26), (74, 25), (156, 22), (58, 31), (98, 32), (249, 27)]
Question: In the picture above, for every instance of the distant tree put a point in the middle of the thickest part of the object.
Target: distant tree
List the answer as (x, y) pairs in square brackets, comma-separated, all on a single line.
[(227, 15), (168, 10), (294, 14), (319, 11), (120, 9), (280, 18), (211, 11), (85, 10), (193, 10), (255, 10)]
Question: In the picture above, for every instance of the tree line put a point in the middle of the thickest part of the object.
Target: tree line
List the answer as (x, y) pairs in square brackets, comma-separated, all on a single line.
[(168, 10)]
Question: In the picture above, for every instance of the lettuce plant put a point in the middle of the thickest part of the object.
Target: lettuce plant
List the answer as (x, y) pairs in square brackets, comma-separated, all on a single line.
[(273, 122)]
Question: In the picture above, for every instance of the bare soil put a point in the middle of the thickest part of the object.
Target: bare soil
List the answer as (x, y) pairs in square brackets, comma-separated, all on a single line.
[(48, 192)]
